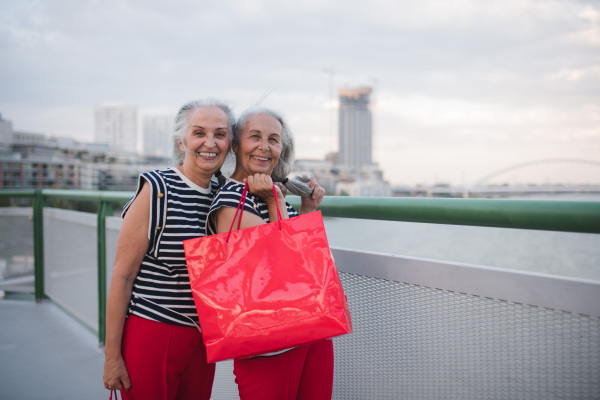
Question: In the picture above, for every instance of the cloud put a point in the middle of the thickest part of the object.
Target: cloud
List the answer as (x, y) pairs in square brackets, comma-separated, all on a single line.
[(447, 74)]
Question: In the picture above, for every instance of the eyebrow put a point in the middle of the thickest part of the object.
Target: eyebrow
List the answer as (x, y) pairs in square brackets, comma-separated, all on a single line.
[(201, 127), (259, 131)]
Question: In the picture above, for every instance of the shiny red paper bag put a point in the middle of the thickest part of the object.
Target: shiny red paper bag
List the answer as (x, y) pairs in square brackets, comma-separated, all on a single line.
[(267, 288)]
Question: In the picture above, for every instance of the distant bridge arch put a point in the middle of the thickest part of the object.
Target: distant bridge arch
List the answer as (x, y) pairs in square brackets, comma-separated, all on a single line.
[(486, 178)]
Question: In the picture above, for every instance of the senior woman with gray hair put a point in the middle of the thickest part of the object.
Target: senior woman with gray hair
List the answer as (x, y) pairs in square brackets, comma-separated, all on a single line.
[(154, 348), (264, 151)]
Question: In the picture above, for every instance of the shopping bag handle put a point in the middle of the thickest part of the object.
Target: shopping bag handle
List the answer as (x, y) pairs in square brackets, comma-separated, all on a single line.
[(243, 201), (278, 210)]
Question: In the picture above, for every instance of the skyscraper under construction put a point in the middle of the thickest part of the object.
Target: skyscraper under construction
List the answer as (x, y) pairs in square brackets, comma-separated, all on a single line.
[(355, 128)]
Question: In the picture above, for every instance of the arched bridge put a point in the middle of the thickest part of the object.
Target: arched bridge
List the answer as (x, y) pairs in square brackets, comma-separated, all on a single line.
[(486, 178)]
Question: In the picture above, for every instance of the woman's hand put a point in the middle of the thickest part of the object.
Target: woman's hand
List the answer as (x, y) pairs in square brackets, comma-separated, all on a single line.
[(282, 188), (115, 374), (261, 185), (310, 203)]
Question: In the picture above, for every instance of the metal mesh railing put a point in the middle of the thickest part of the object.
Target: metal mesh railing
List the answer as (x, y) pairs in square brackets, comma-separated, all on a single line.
[(415, 342)]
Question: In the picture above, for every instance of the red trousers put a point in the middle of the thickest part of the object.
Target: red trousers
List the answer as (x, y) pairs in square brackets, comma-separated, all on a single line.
[(305, 372), (165, 362)]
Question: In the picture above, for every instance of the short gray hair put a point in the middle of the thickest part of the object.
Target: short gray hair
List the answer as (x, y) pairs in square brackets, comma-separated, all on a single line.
[(181, 123), (286, 159)]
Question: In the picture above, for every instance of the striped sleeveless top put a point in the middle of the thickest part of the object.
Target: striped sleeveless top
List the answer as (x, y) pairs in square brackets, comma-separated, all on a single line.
[(161, 290)]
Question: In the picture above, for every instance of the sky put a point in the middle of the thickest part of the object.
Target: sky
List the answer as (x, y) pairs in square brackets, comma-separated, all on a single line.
[(462, 88)]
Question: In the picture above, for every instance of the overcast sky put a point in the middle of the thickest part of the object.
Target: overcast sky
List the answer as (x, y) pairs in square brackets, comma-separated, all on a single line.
[(463, 88)]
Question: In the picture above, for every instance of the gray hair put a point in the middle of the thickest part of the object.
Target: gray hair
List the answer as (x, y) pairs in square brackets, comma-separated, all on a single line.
[(181, 123), (283, 167)]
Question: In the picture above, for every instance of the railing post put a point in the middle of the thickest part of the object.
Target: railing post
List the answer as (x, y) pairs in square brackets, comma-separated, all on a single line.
[(38, 244), (104, 210)]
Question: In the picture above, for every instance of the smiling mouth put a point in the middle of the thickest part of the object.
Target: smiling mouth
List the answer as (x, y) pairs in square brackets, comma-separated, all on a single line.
[(204, 154), (261, 158)]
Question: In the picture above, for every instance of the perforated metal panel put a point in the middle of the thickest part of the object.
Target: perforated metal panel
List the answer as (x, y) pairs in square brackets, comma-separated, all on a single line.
[(413, 342)]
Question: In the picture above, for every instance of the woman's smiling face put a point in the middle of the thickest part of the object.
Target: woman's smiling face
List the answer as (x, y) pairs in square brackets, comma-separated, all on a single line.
[(206, 140), (259, 146)]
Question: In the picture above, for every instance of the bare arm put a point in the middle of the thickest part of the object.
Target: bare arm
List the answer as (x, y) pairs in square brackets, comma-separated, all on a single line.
[(131, 248)]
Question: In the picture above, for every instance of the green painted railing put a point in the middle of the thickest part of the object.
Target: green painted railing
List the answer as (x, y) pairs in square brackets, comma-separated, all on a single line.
[(105, 209), (566, 216)]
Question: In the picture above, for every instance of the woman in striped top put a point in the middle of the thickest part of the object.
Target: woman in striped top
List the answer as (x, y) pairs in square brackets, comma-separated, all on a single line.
[(154, 348), (264, 150)]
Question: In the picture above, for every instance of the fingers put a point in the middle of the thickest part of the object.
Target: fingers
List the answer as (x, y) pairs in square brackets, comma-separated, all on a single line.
[(259, 182), (126, 383), (116, 376), (122, 384), (318, 191)]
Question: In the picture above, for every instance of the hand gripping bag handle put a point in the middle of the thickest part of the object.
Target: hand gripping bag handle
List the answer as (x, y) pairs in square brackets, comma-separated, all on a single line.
[(243, 201)]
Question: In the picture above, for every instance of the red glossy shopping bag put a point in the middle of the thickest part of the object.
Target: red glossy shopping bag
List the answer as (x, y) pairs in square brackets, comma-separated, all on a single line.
[(266, 288)]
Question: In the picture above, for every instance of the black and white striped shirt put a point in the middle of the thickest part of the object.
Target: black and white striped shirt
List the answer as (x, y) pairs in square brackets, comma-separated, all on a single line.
[(179, 207)]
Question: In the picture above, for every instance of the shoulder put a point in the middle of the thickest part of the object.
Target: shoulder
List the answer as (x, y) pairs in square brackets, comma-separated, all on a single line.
[(229, 189), (157, 173), (152, 182), (228, 195), (157, 179)]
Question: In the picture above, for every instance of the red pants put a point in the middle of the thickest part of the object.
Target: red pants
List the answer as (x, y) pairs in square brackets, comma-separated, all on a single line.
[(305, 372), (165, 362)]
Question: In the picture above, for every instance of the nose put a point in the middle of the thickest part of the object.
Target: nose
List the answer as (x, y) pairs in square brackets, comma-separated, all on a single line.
[(264, 144), (210, 141)]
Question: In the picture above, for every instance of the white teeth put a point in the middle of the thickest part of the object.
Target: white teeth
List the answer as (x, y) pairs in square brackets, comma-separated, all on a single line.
[(202, 154), (261, 158)]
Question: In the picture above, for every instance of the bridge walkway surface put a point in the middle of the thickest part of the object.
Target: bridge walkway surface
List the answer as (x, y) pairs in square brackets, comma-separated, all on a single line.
[(46, 354)]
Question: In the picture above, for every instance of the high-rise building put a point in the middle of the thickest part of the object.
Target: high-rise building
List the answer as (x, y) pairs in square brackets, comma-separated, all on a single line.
[(157, 131), (116, 126), (355, 128), (6, 134)]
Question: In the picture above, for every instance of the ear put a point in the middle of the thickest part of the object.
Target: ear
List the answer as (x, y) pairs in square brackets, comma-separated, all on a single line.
[(235, 147), (180, 144)]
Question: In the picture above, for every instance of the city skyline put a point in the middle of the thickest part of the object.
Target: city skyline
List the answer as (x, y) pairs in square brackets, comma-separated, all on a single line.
[(460, 88)]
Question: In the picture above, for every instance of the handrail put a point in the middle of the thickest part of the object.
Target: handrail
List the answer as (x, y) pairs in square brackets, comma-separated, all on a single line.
[(566, 216)]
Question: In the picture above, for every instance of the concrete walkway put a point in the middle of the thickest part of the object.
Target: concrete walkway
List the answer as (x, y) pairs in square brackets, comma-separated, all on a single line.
[(45, 354)]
